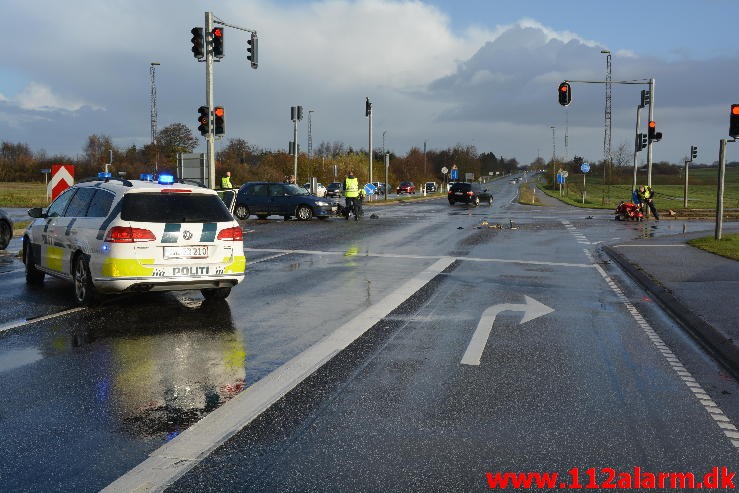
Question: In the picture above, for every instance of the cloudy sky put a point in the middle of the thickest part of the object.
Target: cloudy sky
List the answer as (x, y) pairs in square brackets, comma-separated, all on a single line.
[(480, 72)]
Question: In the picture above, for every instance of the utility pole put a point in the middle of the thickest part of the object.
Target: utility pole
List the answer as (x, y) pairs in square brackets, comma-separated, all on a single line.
[(310, 134), (368, 114), (720, 191), (554, 152), (636, 136), (607, 123), (296, 114), (154, 114), (649, 142), (210, 137)]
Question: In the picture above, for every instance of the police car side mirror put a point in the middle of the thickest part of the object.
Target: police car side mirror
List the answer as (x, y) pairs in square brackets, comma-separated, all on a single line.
[(36, 213)]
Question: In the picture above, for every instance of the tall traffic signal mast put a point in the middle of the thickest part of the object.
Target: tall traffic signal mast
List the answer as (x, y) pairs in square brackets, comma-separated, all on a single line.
[(208, 46), (564, 93)]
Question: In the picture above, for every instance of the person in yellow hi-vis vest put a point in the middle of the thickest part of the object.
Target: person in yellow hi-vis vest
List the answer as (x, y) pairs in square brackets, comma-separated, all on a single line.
[(226, 180), (351, 195)]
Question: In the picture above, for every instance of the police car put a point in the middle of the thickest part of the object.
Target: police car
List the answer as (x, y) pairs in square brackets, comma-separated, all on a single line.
[(110, 235)]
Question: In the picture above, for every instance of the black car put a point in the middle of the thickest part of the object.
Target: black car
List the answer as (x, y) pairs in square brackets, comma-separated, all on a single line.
[(335, 189), (470, 193), (265, 199)]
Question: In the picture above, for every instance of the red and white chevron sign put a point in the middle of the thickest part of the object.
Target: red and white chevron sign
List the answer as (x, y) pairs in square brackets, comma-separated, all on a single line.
[(62, 177)]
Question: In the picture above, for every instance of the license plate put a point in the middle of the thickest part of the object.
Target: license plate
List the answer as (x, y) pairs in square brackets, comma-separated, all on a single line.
[(458, 193), (186, 252)]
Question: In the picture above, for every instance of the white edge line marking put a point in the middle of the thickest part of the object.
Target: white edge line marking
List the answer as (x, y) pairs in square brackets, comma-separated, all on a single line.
[(683, 245), (714, 412), (27, 321), (417, 257), (173, 459)]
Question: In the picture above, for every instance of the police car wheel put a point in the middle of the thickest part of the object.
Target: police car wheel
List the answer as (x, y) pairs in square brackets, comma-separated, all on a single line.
[(304, 213), (241, 211), (33, 275), (215, 293), (84, 291)]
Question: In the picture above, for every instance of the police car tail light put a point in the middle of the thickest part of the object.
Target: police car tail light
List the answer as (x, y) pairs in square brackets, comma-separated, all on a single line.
[(470, 193), (231, 234), (124, 234)]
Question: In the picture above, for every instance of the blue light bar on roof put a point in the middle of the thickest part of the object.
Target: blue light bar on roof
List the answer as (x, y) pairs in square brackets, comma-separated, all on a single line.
[(146, 177), (103, 175), (166, 179)]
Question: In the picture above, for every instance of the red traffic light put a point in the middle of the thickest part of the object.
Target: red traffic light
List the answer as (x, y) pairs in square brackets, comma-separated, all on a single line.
[(652, 125), (218, 32), (565, 96), (734, 121), (218, 111)]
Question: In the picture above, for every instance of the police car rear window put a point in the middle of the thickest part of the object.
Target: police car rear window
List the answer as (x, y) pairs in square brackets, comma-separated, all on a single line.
[(174, 208)]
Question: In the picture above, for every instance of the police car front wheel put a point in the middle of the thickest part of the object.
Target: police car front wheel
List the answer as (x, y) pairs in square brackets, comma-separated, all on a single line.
[(84, 291), (34, 276)]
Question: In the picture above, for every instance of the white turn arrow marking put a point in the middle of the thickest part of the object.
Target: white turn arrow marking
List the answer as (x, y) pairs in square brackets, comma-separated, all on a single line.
[(532, 309)]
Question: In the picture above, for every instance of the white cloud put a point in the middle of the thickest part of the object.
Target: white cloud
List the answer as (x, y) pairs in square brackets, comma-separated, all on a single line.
[(39, 97), (493, 86)]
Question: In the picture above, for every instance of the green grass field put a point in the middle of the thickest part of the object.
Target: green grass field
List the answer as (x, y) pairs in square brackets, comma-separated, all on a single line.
[(701, 191), (727, 246), (21, 194)]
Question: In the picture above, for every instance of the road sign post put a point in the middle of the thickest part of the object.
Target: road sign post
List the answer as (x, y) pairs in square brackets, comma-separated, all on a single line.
[(584, 167)]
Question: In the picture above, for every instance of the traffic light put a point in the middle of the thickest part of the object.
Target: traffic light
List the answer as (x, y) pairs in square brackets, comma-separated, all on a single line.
[(204, 120), (367, 107), (734, 121), (653, 135), (253, 50), (641, 141), (565, 95), (219, 123), (300, 112), (693, 152), (646, 96), (217, 37), (198, 42)]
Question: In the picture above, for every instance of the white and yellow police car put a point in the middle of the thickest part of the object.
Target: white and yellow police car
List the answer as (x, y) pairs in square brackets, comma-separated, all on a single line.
[(110, 235)]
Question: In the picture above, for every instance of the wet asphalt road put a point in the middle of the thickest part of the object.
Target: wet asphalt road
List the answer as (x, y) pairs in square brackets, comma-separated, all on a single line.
[(88, 394)]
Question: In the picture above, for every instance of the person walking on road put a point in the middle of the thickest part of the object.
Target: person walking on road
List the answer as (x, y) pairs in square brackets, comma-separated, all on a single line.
[(351, 195), (646, 196), (226, 181)]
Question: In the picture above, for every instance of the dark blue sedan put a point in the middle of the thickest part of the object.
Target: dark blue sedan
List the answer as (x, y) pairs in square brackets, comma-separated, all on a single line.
[(264, 199)]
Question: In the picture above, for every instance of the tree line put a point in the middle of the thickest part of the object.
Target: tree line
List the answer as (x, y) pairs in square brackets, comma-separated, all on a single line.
[(331, 160)]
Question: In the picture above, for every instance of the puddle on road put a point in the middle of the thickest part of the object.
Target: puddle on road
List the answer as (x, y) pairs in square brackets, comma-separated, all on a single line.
[(15, 358)]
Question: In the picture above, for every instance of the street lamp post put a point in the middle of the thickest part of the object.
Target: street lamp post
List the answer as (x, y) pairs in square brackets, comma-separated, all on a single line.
[(554, 153)]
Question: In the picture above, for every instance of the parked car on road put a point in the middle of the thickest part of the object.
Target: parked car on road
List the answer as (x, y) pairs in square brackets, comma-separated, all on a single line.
[(320, 189), (6, 229), (379, 187), (335, 189), (470, 193), (109, 235), (406, 187), (265, 199)]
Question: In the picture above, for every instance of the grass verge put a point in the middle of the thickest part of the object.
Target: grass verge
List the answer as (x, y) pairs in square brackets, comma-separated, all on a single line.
[(727, 246)]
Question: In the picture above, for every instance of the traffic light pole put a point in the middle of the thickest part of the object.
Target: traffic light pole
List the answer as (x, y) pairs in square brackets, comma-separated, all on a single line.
[(649, 142), (720, 191), (636, 147), (370, 144), (210, 137), (295, 148)]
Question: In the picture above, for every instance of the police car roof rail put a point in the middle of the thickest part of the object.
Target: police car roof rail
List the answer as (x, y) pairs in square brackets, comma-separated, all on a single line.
[(123, 181), (191, 181)]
